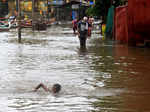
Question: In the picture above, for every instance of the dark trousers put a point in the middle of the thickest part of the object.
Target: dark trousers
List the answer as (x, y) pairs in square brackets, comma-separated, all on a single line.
[(74, 29), (82, 41)]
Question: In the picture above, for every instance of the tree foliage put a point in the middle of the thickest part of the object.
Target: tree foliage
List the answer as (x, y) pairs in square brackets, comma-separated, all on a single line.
[(101, 7)]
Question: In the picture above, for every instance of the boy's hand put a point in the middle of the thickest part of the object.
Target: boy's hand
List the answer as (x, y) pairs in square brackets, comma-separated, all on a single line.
[(78, 33)]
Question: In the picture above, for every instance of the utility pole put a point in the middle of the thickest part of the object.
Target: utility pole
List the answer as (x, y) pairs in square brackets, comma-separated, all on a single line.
[(33, 7), (19, 22), (47, 10), (17, 5)]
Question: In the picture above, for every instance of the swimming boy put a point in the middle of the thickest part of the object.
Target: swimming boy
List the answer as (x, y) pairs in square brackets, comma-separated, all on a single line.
[(55, 88)]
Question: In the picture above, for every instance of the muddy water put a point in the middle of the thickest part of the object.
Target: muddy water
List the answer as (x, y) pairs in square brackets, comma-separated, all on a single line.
[(106, 77)]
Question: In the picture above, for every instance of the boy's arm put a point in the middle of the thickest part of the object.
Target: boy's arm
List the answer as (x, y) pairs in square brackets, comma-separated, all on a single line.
[(43, 86)]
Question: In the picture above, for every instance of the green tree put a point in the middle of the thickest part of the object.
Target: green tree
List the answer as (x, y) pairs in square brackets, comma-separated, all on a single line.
[(101, 7)]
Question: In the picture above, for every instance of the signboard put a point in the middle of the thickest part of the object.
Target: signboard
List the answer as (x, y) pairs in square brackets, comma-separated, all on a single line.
[(56, 2), (75, 6), (91, 3)]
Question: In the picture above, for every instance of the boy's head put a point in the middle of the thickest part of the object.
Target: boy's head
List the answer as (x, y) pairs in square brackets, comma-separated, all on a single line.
[(56, 88), (85, 18)]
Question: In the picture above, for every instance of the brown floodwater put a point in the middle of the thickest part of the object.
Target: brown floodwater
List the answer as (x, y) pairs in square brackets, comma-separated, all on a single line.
[(106, 77)]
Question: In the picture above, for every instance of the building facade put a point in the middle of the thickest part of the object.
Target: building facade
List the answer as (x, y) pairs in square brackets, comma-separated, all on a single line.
[(3, 8), (59, 9)]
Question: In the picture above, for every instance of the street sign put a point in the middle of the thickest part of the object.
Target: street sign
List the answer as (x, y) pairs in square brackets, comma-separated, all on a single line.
[(75, 6)]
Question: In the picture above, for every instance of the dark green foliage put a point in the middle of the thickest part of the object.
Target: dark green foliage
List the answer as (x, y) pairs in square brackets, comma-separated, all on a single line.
[(90, 11), (101, 7)]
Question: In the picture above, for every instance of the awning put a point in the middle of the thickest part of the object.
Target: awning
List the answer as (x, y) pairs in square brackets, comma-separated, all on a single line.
[(76, 2)]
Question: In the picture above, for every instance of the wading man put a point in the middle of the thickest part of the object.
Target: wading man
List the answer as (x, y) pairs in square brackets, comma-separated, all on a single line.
[(83, 32)]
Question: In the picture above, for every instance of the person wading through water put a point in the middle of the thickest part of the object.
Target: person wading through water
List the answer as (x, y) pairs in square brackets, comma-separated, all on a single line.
[(74, 25), (83, 32), (55, 88)]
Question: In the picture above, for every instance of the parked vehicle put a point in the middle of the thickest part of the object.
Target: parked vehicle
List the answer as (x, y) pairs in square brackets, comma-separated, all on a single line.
[(4, 26)]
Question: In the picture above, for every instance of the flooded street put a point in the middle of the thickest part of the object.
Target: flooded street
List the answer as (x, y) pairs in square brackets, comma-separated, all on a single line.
[(103, 78)]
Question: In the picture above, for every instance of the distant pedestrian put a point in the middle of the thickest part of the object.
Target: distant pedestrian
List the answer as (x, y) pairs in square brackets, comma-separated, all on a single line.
[(83, 32), (74, 25), (90, 26)]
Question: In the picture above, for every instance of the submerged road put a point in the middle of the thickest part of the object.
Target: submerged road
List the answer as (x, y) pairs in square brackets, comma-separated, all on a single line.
[(103, 78)]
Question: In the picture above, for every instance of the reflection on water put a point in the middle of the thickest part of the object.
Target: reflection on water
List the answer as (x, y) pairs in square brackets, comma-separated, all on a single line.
[(104, 77)]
